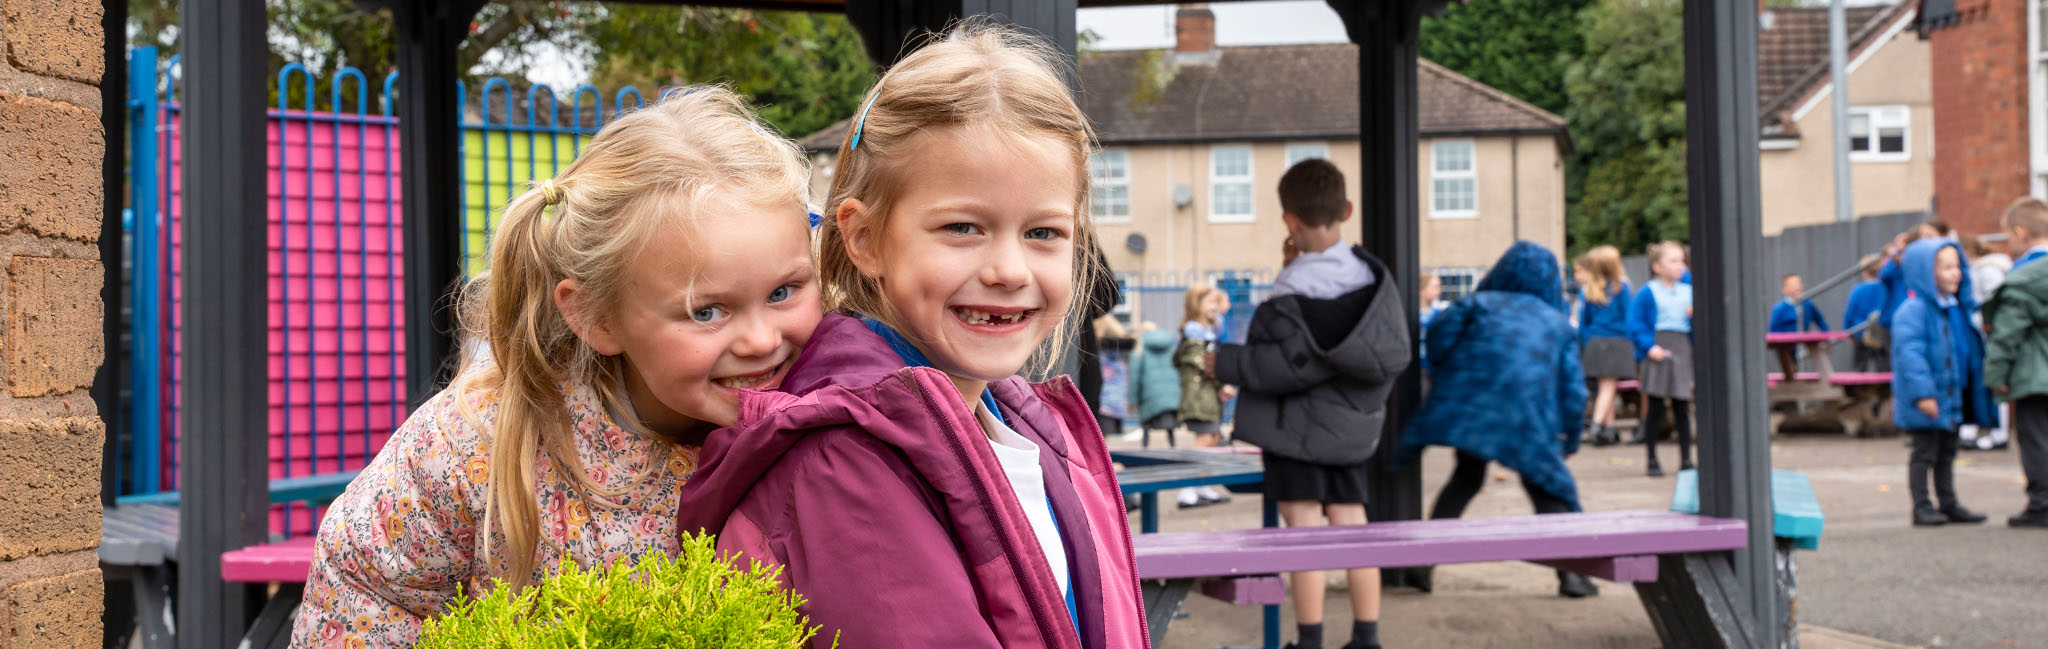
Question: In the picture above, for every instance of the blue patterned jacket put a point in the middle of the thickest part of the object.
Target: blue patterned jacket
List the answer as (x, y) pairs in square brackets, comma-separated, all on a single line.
[(1506, 384)]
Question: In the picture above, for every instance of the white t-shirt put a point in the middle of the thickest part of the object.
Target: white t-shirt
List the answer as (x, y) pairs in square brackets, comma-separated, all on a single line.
[(1019, 458), (1324, 274)]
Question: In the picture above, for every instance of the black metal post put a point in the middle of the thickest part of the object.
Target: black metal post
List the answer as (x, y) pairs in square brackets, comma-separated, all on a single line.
[(1388, 134), (428, 33), (222, 480), (887, 26), (1727, 236), (113, 373)]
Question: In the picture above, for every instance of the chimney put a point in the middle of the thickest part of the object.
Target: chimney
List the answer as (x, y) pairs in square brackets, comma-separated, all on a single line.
[(1194, 34)]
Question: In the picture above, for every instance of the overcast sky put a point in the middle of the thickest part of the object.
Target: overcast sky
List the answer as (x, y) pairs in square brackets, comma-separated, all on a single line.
[(1237, 23)]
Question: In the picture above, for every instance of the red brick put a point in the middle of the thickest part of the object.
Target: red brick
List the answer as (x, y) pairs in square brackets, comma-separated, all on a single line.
[(1980, 99), (58, 38), (50, 157)]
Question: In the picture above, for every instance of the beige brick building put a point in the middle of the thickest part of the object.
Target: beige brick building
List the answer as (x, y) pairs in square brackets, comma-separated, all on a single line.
[(1194, 140), (51, 146), (1891, 116)]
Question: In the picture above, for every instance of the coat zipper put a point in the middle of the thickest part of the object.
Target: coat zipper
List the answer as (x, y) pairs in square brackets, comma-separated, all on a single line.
[(1010, 543)]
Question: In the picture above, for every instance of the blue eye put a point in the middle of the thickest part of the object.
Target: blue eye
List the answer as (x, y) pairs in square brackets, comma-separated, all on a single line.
[(708, 314), (962, 228), (782, 293), (1042, 233)]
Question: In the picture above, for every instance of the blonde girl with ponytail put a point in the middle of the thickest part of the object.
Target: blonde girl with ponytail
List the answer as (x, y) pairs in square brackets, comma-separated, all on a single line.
[(629, 302)]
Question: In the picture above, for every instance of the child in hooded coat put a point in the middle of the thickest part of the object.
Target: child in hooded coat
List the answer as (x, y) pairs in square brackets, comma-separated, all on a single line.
[(1937, 374), (1508, 389)]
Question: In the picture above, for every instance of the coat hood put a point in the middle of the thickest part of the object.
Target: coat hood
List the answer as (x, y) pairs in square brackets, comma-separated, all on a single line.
[(1159, 341), (1530, 269), (1918, 265)]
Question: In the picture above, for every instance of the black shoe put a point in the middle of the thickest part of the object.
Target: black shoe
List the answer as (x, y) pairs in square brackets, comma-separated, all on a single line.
[(1928, 517), (1355, 645), (1654, 471), (1574, 585), (1685, 466), (2034, 519), (1597, 436), (1423, 578), (1961, 515)]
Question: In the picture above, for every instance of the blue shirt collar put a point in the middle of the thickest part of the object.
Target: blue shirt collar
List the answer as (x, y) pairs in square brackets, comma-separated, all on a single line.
[(914, 358)]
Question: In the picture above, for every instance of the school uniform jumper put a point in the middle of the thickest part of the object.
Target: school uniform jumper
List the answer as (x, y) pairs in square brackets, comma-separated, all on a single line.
[(1659, 318), (1605, 350)]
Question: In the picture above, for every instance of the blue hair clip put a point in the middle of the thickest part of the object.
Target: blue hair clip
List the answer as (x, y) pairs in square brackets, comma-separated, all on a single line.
[(815, 218), (863, 123)]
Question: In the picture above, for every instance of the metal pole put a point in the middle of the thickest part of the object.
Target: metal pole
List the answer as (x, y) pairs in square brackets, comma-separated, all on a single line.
[(145, 299), (1838, 55), (222, 479), (1727, 236)]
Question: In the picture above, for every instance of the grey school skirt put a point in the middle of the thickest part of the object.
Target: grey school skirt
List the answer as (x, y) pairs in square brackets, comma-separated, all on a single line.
[(1608, 357), (1672, 377)]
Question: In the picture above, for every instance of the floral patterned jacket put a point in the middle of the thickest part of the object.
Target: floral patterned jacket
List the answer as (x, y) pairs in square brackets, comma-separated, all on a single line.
[(408, 531)]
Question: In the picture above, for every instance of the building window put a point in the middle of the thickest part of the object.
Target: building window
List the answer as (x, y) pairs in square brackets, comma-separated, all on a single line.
[(1453, 184), (1300, 151), (1109, 192), (1230, 184), (1456, 282), (1879, 133)]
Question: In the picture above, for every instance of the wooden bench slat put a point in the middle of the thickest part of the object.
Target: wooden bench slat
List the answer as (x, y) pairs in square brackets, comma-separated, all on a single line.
[(320, 488), (1162, 477), (1420, 543), (1626, 570), (1220, 455), (1261, 590)]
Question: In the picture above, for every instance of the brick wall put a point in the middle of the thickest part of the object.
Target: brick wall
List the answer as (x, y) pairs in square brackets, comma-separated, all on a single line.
[(50, 431), (1980, 113)]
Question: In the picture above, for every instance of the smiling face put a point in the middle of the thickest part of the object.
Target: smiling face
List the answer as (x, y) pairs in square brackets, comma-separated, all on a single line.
[(1948, 270), (976, 259), (1793, 287), (706, 312), (1670, 265)]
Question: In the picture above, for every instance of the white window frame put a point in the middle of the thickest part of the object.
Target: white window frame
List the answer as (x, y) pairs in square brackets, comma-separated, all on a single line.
[(1218, 181), (1879, 118), (1469, 277), (1299, 151), (2037, 97), (1099, 179), (1437, 172)]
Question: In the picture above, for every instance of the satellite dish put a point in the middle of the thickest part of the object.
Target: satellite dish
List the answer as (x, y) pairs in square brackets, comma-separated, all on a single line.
[(1183, 196), (1135, 243)]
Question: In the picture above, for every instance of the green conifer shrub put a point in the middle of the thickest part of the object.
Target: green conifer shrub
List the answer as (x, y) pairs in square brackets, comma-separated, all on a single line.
[(691, 601)]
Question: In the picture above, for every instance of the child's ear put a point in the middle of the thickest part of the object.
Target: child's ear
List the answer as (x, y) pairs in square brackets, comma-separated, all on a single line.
[(591, 328), (1347, 213), (856, 229)]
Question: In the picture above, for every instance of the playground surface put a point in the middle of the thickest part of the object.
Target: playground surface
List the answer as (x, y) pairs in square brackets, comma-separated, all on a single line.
[(1876, 582)]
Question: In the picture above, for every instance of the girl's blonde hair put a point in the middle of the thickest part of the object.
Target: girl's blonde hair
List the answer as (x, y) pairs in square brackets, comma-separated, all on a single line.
[(977, 76), (1604, 264), (1661, 249), (644, 174), (1191, 311)]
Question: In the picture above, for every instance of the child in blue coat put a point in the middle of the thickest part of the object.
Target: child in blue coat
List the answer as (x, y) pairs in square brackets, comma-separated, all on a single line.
[(1155, 385), (1937, 374), (1865, 302), (1508, 389)]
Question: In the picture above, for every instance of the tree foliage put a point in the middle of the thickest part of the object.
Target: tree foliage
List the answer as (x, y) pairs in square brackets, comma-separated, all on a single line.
[(1518, 46), (804, 70), (1627, 117)]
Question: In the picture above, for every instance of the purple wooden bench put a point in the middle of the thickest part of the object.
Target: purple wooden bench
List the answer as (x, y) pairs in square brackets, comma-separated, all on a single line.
[(1651, 549)]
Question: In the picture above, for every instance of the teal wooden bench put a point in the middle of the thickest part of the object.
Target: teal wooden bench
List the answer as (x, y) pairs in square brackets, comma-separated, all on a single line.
[(1796, 521)]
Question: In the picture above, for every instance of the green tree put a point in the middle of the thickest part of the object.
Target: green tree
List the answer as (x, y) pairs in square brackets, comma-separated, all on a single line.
[(1627, 116), (1518, 46), (803, 71)]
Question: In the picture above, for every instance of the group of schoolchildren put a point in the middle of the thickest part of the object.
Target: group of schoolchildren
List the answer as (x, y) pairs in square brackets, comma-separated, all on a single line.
[(1962, 331)]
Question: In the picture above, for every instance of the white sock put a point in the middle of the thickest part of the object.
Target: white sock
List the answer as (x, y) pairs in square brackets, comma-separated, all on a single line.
[(1210, 492)]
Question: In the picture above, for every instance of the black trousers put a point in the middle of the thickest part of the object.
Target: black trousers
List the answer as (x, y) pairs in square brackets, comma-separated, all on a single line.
[(1470, 475), (1681, 418), (2030, 429), (1934, 452)]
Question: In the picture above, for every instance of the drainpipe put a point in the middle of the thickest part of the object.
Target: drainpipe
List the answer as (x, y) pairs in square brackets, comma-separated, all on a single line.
[(1515, 183), (1838, 55)]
